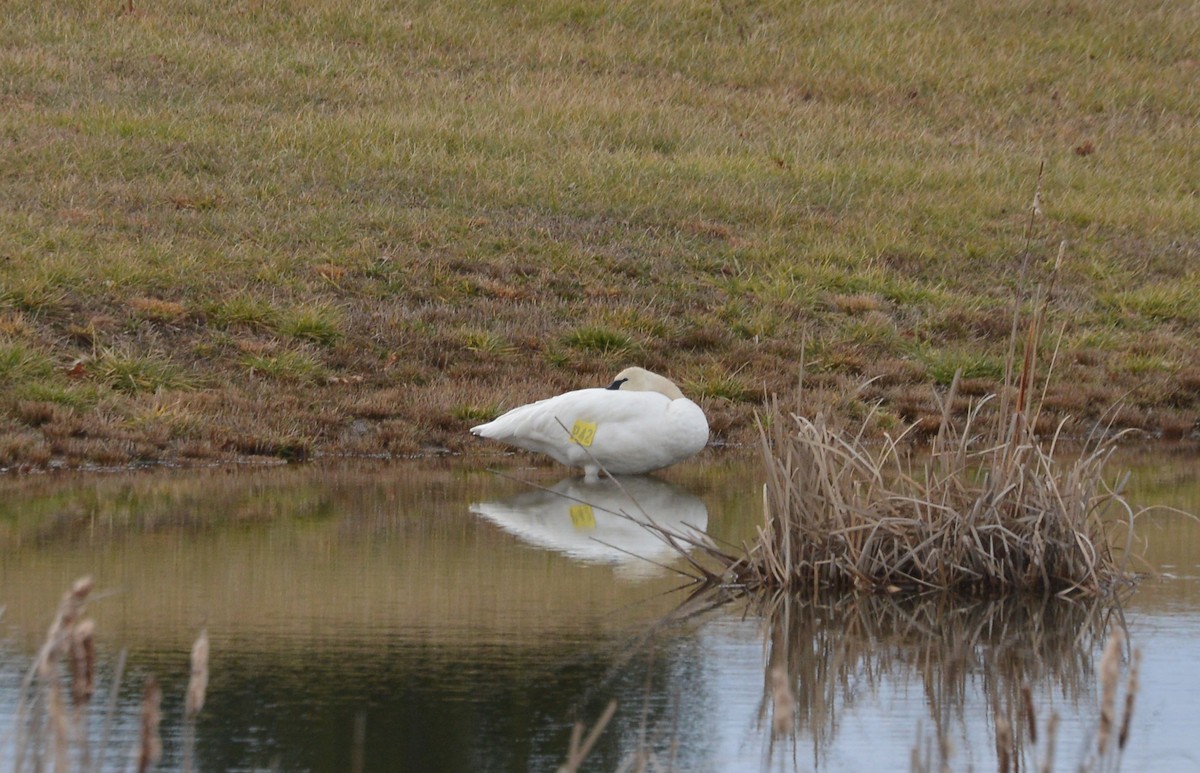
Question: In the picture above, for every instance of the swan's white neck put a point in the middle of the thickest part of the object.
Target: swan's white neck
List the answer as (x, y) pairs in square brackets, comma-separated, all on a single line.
[(641, 380)]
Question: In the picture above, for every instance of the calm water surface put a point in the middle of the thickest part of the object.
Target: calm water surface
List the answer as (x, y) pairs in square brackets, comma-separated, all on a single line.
[(457, 620)]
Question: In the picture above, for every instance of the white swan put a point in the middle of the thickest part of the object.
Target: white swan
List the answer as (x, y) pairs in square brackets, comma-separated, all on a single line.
[(639, 423)]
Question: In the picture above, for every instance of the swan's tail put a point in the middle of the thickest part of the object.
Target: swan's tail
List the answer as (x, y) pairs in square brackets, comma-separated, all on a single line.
[(489, 430)]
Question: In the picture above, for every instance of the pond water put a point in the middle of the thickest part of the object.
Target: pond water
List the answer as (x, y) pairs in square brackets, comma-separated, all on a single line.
[(437, 616)]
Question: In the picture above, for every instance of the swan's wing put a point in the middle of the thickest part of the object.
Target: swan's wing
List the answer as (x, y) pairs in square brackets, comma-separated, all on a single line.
[(560, 425)]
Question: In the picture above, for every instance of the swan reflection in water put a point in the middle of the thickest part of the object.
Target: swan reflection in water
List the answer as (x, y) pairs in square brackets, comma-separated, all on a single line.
[(598, 522)]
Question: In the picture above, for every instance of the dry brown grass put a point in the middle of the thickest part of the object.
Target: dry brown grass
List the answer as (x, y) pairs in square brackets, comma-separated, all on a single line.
[(481, 195)]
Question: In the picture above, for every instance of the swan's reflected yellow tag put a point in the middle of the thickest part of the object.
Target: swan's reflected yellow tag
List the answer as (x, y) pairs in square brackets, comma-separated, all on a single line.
[(583, 433), (583, 517)]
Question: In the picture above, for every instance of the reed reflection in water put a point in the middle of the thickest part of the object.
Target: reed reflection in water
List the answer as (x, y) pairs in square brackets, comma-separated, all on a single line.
[(979, 657)]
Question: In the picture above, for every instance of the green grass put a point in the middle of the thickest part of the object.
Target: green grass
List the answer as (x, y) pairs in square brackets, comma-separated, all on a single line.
[(319, 324), (19, 363), (244, 311), (598, 340), (475, 414), (290, 366), (134, 373), (942, 365), (693, 186), (1158, 303), (484, 342), (69, 395)]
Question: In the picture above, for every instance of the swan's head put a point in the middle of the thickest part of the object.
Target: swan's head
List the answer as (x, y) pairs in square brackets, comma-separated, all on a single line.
[(642, 380)]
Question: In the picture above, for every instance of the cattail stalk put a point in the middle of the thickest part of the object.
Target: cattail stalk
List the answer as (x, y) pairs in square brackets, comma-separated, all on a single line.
[(1131, 690), (1051, 735), (59, 639), (150, 746), (1003, 744), (783, 701), (1030, 712), (83, 663), (579, 749), (1110, 670), (198, 682)]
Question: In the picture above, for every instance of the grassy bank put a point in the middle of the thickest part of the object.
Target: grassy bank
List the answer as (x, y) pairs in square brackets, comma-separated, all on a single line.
[(285, 228)]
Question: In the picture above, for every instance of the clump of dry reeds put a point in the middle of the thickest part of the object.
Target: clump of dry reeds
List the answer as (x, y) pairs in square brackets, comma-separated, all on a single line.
[(978, 514)]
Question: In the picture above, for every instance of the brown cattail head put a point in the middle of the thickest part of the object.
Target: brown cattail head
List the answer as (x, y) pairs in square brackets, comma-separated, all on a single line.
[(1110, 671), (198, 683), (83, 662), (150, 749), (58, 638), (73, 600)]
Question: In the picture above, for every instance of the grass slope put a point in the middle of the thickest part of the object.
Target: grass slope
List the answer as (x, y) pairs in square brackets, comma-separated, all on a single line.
[(359, 226)]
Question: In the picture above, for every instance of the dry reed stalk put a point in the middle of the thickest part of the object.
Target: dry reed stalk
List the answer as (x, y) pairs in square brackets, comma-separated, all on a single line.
[(578, 750), (358, 745), (1110, 671), (1051, 737), (111, 707), (150, 745), (783, 701), (194, 699), (1035, 211), (1131, 689), (71, 636), (1030, 712), (1004, 743), (83, 663), (59, 639), (945, 749)]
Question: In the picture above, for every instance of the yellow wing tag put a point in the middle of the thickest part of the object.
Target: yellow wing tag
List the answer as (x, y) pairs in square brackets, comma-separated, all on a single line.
[(583, 517), (583, 433)]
